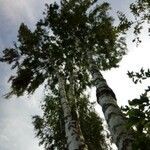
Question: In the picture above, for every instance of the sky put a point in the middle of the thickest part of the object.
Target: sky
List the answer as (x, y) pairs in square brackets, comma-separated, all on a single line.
[(16, 129)]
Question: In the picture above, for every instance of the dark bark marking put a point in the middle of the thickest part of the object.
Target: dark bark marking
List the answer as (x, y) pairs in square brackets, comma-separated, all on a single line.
[(104, 91), (113, 113), (116, 126), (68, 143), (118, 137), (66, 117), (106, 106), (98, 79), (128, 140)]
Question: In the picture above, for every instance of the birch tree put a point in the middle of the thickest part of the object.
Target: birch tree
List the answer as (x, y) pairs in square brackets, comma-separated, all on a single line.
[(78, 35), (34, 65), (50, 127), (74, 135)]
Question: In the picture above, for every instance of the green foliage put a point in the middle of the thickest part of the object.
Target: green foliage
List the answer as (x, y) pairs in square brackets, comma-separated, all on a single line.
[(141, 8), (139, 76), (91, 125), (50, 128), (141, 11), (124, 23), (138, 113), (61, 41)]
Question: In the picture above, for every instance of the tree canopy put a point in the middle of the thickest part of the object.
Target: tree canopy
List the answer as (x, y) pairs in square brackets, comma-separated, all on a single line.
[(138, 112), (61, 41), (50, 127)]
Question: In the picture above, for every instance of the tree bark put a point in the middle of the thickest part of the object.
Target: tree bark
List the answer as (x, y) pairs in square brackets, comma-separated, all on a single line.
[(74, 140), (114, 117), (74, 108)]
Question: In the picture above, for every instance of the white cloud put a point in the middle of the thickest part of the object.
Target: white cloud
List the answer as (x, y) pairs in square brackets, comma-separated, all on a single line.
[(15, 115), (16, 129), (15, 123)]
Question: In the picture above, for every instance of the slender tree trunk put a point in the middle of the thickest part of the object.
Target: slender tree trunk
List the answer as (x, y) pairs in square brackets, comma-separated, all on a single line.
[(74, 108), (74, 141), (114, 117)]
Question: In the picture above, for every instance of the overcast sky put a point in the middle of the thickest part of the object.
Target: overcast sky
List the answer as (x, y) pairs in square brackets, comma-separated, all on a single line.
[(16, 130)]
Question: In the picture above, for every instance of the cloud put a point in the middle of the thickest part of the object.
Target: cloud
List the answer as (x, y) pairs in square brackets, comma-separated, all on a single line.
[(19, 10), (16, 129)]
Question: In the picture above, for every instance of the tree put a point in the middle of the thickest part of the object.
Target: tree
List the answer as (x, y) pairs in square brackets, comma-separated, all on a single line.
[(72, 37), (138, 113), (141, 11), (74, 135), (137, 110), (115, 119), (50, 127)]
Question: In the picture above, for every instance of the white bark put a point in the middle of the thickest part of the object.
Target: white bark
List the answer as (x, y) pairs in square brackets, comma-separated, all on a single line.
[(115, 119), (74, 141), (73, 100)]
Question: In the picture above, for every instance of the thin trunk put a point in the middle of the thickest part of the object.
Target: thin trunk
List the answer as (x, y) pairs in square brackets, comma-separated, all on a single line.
[(73, 138), (73, 100), (115, 119)]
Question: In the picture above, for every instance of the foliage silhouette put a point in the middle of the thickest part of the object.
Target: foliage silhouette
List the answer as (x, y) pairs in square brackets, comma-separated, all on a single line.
[(63, 41), (50, 127)]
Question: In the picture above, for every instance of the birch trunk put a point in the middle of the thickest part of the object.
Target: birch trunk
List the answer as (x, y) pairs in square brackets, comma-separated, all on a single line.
[(74, 142), (114, 117), (73, 99)]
